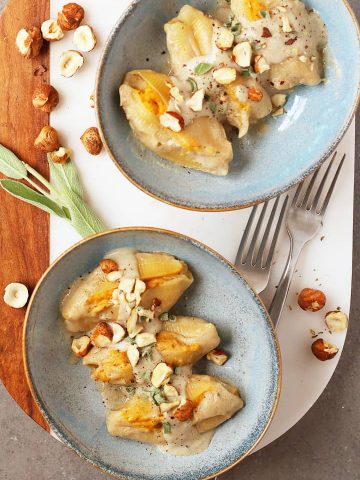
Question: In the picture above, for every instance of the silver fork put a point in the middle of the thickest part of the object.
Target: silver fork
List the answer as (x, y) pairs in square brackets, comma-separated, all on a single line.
[(303, 222), (255, 262)]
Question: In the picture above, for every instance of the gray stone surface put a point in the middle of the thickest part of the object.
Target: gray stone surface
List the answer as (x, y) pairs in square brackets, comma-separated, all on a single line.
[(324, 444)]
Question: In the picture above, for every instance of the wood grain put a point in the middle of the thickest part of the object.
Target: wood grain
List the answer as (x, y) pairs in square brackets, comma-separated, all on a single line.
[(24, 230)]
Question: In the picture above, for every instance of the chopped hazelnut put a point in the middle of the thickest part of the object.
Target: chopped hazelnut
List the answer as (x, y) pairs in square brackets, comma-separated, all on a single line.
[(107, 265), (225, 75), (323, 350), (45, 98), (47, 140), (84, 38), (70, 62), (92, 141), (29, 42), (311, 300), (278, 100), (81, 346), (255, 95), (224, 39), (161, 374), (242, 54), (71, 16), (102, 335), (260, 64), (336, 321), (185, 411), (92, 101), (217, 356), (51, 30), (61, 155), (172, 120)]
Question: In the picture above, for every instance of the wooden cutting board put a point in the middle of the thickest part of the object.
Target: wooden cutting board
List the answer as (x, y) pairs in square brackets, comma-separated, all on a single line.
[(24, 230)]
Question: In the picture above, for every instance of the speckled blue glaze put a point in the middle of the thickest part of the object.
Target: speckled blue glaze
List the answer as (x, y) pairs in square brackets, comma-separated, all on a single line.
[(264, 164), (68, 397)]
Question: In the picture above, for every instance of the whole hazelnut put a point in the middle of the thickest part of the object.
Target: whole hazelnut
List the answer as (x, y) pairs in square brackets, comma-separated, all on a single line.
[(70, 16), (45, 98), (336, 321), (92, 141), (107, 265), (323, 350), (29, 42), (47, 140), (311, 300)]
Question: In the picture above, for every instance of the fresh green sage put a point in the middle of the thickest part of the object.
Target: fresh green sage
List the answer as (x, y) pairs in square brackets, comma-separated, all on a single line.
[(202, 68)]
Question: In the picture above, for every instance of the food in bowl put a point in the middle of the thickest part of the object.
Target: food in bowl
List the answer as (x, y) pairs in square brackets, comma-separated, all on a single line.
[(235, 68), (141, 357)]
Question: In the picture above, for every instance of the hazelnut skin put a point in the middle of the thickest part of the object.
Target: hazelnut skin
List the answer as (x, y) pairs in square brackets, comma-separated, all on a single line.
[(92, 141), (45, 98), (323, 351), (311, 300), (71, 16), (47, 140), (29, 42)]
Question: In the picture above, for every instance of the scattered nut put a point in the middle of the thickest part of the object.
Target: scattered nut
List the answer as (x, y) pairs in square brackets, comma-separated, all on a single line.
[(132, 326), (92, 141), (47, 140), (260, 64), (255, 95), (303, 58), (336, 321), (84, 38), (241, 93), (161, 374), (29, 42), (145, 339), (39, 70), (51, 30), (311, 300), (70, 16), (170, 392), (217, 356), (166, 407), (278, 112), (92, 101), (196, 101), (279, 100), (287, 28), (16, 295), (46, 98), (225, 75), (242, 54), (107, 265), (102, 335), (173, 121), (133, 355), (70, 62), (61, 155), (118, 332), (185, 411), (81, 346), (323, 350), (176, 95), (224, 39)]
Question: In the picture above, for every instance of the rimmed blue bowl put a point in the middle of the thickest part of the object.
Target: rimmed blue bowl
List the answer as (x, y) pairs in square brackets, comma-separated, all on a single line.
[(265, 164), (68, 397)]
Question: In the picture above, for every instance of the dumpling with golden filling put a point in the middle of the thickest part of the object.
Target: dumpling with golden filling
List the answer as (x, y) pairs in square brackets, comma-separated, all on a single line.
[(186, 340)]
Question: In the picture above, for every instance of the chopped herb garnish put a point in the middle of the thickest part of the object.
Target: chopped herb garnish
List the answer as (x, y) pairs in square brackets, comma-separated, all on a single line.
[(130, 390), (166, 427), (248, 72), (146, 375), (158, 399), (164, 317), (193, 85), (143, 318), (177, 370), (147, 351), (236, 28), (202, 68), (264, 13), (172, 318), (130, 340), (213, 107)]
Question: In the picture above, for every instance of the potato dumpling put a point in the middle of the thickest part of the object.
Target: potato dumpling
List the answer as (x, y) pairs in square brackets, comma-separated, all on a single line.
[(112, 367), (186, 340), (139, 419), (215, 401)]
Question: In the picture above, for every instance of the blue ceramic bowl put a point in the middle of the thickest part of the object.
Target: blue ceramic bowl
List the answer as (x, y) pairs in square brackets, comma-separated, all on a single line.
[(265, 164), (68, 397)]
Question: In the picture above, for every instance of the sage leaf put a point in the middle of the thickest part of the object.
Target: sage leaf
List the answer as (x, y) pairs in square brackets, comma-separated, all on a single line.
[(10, 165), (202, 68), (28, 195), (65, 175), (193, 84), (83, 219)]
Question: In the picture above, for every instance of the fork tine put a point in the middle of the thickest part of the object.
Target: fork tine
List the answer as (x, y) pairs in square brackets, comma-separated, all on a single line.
[(322, 184), (297, 193), (250, 254), (332, 186), (276, 234), (309, 189), (266, 234), (245, 236)]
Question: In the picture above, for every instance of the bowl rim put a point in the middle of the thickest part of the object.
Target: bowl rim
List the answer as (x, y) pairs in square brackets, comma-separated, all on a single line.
[(61, 431), (261, 198)]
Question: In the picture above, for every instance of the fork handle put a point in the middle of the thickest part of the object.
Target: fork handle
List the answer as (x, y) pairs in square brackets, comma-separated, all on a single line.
[(282, 290)]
